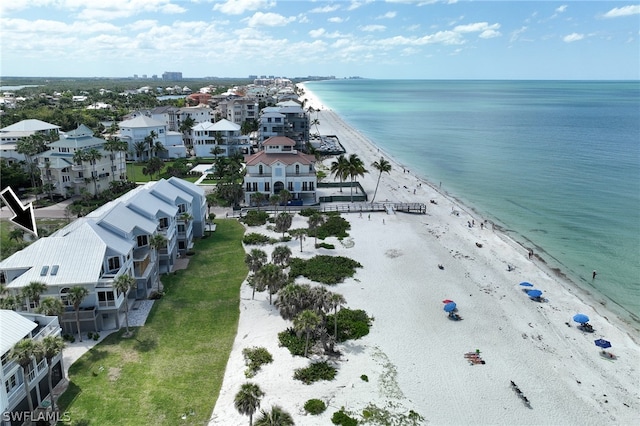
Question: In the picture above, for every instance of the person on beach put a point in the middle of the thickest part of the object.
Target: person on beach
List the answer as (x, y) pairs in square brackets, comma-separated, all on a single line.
[(593, 277)]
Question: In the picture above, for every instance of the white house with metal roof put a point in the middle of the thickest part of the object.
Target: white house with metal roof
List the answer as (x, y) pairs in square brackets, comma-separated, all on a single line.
[(137, 129), (222, 134), (116, 239), (10, 135), (15, 327)]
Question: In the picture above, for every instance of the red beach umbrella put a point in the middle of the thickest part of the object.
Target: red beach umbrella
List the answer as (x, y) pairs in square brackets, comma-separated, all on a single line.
[(447, 301)]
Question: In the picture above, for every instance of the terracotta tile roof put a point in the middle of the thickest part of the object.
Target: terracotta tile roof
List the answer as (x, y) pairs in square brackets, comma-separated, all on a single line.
[(279, 141), (286, 158)]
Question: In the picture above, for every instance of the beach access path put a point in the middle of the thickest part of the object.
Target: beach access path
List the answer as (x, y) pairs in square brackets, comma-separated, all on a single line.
[(414, 357)]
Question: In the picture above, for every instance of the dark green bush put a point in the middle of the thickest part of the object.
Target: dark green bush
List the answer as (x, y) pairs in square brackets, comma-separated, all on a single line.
[(364, 378), (324, 269), (326, 246), (333, 226), (314, 372), (307, 212), (255, 218), (291, 341), (315, 406), (341, 418), (254, 238), (352, 324), (254, 358)]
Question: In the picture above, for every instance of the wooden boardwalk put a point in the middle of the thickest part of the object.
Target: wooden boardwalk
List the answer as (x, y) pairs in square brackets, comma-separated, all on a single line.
[(388, 207)]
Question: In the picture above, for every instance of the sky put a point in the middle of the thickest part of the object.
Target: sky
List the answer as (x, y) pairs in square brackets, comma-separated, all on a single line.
[(380, 39)]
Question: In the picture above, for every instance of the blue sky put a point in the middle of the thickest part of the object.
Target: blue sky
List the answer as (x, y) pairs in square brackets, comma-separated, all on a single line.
[(428, 39)]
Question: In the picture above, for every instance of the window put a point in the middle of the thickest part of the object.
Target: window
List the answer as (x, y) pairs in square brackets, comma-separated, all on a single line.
[(143, 240), (11, 383), (181, 228), (54, 269), (164, 223), (304, 186), (260, 169), (114, 263), (44, 270), (311, 185), (297, 169), (290, 186), (254, 186), (182, 208), (248, 188), (267, 186), (181, 245), (63, 296)]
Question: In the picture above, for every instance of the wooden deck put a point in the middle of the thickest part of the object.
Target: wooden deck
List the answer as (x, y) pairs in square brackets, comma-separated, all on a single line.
[(387, 207)]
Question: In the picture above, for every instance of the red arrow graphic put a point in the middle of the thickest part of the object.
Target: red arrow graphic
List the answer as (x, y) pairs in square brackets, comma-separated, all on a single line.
[(22, 216)]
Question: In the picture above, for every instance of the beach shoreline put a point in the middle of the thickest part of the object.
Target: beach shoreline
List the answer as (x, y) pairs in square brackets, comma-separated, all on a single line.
[(414, 356)]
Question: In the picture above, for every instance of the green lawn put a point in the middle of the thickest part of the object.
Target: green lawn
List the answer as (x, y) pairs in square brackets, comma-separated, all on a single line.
[(176, 362)]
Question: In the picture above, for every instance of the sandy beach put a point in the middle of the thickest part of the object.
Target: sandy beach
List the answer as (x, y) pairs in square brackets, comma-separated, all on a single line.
[(414, 356)]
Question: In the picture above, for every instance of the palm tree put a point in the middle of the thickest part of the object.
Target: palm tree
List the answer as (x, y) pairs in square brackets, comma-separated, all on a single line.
[(276, 417), (315, 221), (10, 303), (123, 284), (112, 145), (156, 242), (281, 255), (355, 169), (150, 141), (247, 400), (16, 234), (306, 322), (274, 200), (31, 146), (158, 148), (216, 150), (23, 353), (254, 261), (299, 234), (315, 122), (52, 306), (335, 301), (32, 292), (51, 346), (258, 198), (139, 147), (75, 296), (271, 277), (285, 196), (283, 222), (340, 169), (383, 166)]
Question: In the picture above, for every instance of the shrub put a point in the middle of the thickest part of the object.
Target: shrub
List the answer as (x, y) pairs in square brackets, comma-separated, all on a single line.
[(334, 225), (255, 239), (96, 336), (255, 218), (314, 372), (291, 341), (155, 295), (254, 358), (352, 324), (364, 378), (326, 246), (324, 269), (307, 212), (315, 406), (341, 418)]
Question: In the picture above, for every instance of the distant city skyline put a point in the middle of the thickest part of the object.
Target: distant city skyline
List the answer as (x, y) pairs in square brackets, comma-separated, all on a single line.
[(416, 39)]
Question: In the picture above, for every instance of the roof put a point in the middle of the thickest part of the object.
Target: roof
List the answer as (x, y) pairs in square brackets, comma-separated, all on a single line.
[(141, 121), (225, 125), (149, 203), (80, 131), (286, 158), (127, 220), (187, 186), (279, 141), (79, 252), (14, 328), (30, 125), (165, 190)]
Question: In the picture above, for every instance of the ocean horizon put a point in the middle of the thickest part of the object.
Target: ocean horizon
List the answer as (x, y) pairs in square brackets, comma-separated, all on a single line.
[(554, 163)]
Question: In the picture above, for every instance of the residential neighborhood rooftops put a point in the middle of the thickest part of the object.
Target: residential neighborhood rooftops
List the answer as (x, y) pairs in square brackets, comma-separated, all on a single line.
[(30, 125), (141, 121)]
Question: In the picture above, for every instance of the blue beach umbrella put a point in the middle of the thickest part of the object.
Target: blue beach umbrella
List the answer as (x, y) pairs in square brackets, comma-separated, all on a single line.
[(450, 307), (526, 284), (581, 318), (604, 344), (535, 293)]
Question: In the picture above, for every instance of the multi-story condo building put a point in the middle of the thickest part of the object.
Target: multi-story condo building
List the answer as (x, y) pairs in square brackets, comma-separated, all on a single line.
[(285, 119), (140, 234), (15, 327), (280, 166), (137, 129), (67, 174), (239, 110)]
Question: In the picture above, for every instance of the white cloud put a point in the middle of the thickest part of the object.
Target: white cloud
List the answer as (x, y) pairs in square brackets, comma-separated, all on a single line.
[(475, 27), (572, 37), (515, 35), (336, 20), (490, 34), (116, 9), (373, 28), (317, 33), (238, 7), (388, 15), (325, 9), (561, 8), (356, 4), (617, 12), (260, 19)]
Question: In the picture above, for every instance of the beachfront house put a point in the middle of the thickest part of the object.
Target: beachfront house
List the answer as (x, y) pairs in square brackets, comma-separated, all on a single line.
[(142, 234), (139, 128), (14, 328), (68, 173), (280, 166), (285, 119)]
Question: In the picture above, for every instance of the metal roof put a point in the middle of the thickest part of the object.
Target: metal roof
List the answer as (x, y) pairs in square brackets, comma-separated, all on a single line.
[(31, 125), (14, 328)]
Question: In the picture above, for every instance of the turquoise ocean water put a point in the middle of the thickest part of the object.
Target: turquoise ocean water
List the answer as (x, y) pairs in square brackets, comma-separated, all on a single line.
[(555, 163)]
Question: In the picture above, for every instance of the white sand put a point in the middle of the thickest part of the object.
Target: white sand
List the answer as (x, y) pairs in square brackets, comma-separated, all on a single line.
[(413, 355)]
